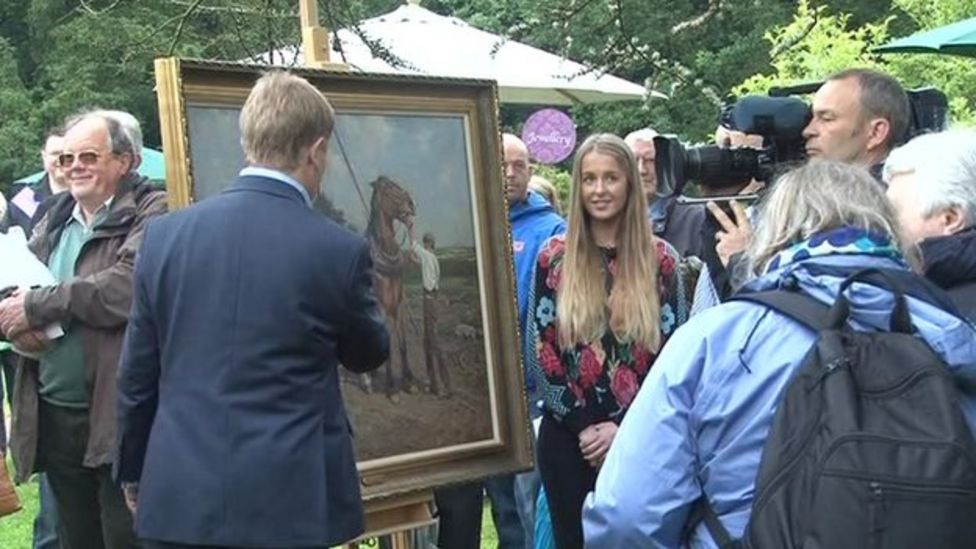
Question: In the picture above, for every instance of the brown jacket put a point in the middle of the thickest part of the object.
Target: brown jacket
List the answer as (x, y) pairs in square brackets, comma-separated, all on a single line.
[(98, 299)]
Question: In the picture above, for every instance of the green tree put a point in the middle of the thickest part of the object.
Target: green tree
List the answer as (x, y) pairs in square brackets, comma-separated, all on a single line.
[(17, 139), (817, 43)]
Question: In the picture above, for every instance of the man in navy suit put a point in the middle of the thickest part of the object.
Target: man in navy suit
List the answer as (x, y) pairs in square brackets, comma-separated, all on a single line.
[(232, 431)]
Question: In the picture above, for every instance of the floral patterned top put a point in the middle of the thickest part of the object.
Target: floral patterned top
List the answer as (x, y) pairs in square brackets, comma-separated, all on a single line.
[(596, 382)]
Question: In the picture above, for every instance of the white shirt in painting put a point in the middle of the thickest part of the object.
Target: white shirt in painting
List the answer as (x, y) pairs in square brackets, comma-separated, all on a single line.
[(430, 268)]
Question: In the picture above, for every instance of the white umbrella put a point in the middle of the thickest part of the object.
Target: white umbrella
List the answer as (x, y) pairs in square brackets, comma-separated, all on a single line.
[(435, 45)]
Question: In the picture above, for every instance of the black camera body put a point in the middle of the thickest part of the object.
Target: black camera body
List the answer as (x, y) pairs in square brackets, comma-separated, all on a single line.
[(780, 120)]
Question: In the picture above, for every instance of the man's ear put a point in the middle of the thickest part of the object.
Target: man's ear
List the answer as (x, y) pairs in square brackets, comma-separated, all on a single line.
[(319, 147), (879, 131), (954, 219), (531, 170)]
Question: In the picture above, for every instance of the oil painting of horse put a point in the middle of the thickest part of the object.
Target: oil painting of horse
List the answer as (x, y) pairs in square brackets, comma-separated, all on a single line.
[(383, 173)]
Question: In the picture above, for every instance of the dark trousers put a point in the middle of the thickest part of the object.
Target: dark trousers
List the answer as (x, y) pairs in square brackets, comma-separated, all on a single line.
[(567, 478), (8, 363), (459, 515), (437, 374), (6, 385), (46, 521), (504, 511), (92, 509), (459, 510)]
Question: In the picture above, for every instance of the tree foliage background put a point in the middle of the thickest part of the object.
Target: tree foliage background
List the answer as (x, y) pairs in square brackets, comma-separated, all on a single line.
[(59, 56)]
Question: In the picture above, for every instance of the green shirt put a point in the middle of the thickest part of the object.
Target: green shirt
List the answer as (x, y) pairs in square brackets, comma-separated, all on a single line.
[(62, 368)]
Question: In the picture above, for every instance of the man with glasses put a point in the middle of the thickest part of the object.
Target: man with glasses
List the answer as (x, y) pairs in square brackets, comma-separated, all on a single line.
[(65, 402)]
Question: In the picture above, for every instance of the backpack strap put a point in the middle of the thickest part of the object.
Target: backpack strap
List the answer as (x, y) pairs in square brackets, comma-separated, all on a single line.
[(702, 511), (802, 308), (895, 280)]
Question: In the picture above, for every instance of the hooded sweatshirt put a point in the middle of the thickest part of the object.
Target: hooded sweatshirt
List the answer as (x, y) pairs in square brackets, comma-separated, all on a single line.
[(533, 221), (699, 423), (950, 262)]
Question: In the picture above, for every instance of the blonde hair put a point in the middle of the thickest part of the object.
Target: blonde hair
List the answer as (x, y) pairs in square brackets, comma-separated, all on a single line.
[(283, 115), (816, 197), (632, 310), (548, 191)]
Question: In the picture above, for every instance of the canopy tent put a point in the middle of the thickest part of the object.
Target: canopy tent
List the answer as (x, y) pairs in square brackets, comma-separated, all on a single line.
[(153, 166), (435, 45), (956, 39)]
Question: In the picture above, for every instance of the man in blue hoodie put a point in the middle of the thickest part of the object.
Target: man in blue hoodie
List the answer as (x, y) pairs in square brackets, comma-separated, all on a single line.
[(533, 220)]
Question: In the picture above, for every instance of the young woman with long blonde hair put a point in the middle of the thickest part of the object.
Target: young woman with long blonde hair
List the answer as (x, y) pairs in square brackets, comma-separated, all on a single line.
[(606, 297)]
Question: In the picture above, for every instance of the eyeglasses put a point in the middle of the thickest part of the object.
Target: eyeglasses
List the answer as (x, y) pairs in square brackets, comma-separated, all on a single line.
[(87, 158)]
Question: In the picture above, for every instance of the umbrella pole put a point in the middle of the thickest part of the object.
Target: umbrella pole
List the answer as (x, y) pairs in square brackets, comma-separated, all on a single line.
[(315, 38)]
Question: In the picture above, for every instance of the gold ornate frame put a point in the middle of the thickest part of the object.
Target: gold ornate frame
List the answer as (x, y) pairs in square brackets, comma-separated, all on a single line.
[(186, 83)]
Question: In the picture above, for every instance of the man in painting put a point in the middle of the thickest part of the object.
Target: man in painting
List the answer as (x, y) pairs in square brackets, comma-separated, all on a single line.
[(244, 306), (430, 277), (65, 402)]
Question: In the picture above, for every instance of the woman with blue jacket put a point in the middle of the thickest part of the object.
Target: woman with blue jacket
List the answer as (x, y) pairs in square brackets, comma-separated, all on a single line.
[(699, 423)]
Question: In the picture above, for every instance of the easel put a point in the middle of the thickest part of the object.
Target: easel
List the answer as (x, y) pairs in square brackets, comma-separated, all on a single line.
[(315, 38), (394, 516)]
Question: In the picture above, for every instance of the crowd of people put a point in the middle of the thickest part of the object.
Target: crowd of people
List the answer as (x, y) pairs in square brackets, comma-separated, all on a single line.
[(193, 398)]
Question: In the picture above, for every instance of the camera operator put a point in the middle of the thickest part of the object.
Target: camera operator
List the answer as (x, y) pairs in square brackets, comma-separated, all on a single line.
[(678, 224), (859, 116)]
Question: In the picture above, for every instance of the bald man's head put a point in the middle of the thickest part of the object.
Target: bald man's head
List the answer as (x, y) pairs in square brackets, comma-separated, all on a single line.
[(517, 168)]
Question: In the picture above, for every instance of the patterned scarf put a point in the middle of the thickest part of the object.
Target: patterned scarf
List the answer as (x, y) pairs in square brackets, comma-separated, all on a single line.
[(839, 241)]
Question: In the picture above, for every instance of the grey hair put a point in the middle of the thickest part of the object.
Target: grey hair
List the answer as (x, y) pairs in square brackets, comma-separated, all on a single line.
[(816, 197), (130, 125), (945, 167), (646, 135), (118, 139), (881, 97)]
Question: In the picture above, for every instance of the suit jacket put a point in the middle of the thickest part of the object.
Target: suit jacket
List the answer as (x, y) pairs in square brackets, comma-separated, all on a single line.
[(230, 414)]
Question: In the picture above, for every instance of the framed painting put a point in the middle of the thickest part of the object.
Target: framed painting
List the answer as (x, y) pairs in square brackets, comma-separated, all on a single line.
[(422, 148)]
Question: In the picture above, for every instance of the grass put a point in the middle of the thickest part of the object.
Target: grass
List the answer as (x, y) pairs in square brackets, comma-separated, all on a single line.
[(16, 531), (489, 537)]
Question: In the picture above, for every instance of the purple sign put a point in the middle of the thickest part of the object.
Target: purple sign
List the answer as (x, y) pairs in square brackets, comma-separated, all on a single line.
[(550, 136)]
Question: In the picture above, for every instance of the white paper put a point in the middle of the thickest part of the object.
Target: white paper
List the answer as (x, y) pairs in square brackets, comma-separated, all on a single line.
[(19, 267)]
